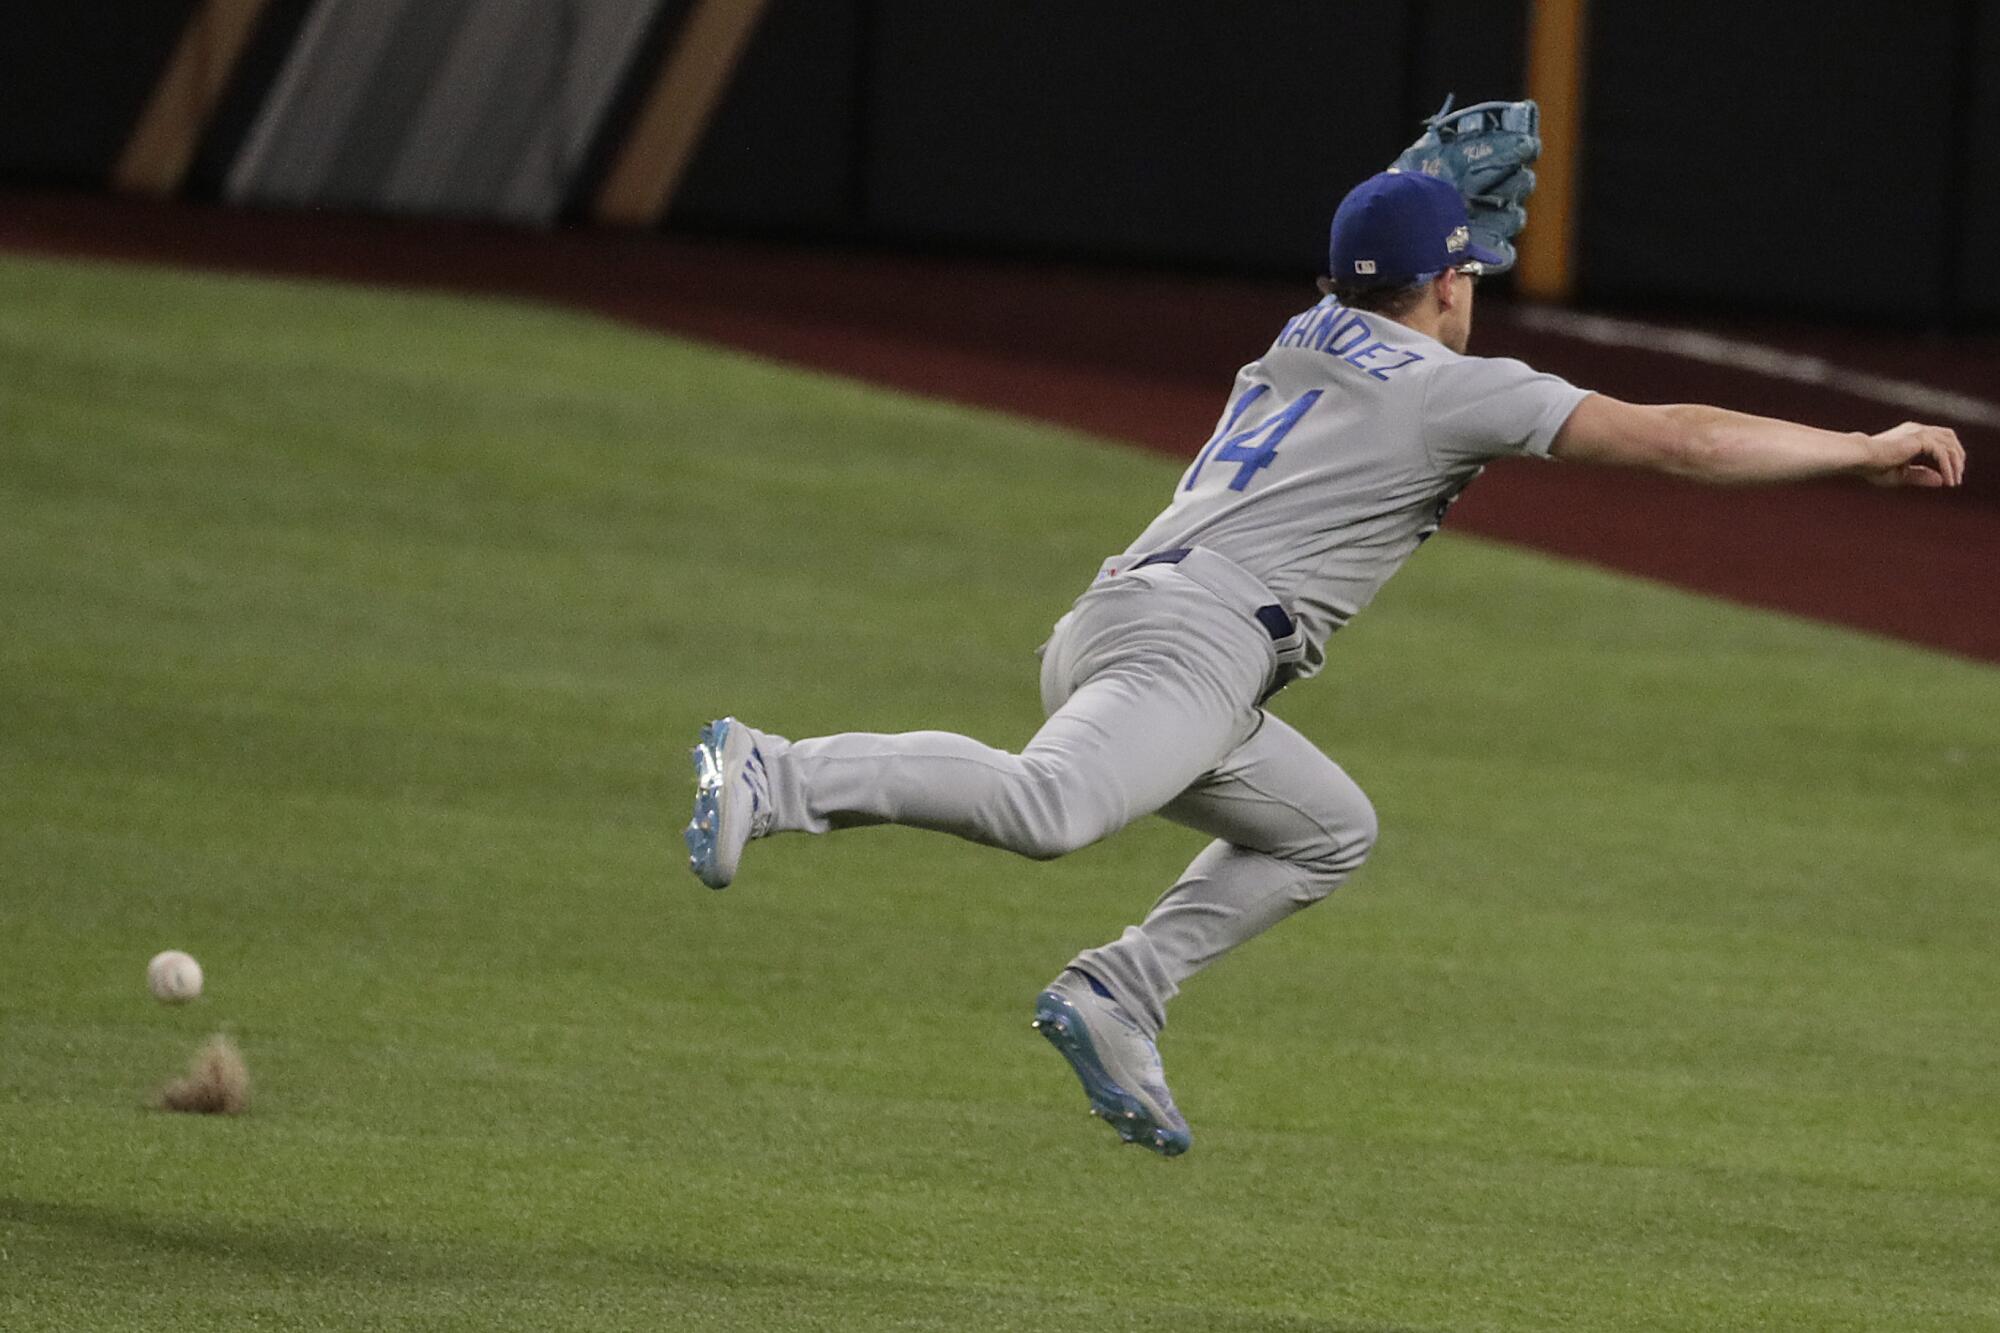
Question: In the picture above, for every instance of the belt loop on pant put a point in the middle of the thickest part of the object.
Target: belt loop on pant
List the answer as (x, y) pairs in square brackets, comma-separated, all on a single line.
[(1277, 621)]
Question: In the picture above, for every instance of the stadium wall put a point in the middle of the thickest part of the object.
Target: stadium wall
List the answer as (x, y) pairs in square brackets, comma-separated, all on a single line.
[(1803, 157)]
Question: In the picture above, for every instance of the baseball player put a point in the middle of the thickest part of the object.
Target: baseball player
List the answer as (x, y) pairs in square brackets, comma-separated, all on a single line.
[(1337, 453)]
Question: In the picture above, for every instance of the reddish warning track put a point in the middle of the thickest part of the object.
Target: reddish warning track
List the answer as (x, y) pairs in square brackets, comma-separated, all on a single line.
[(1148, 358)]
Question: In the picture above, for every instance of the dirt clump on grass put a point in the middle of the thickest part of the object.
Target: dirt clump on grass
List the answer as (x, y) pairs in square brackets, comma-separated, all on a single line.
[(217, 1082)]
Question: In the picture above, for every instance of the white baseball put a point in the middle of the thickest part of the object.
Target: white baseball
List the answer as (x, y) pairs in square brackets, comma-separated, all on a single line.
[(173, 977)]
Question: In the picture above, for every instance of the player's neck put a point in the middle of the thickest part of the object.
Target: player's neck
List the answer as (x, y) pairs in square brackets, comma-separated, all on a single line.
[(1438, 322), (1425, 319)]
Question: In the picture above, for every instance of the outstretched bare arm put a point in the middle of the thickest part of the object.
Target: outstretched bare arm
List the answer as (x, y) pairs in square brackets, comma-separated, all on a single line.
[(1714, 444)]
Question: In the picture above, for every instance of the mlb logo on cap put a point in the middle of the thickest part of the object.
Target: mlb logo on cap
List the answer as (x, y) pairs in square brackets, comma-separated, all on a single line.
[(1398, 227)]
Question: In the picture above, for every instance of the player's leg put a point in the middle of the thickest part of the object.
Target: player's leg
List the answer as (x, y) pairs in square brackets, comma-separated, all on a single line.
[(1151, 681), (1120, 747), (1289, 825)]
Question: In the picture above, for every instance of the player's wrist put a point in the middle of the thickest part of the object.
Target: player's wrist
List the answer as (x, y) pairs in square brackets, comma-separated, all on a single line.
[(1873, 453)]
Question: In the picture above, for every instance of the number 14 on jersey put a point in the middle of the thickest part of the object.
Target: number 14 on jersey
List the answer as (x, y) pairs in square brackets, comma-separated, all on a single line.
[(1254, 447)]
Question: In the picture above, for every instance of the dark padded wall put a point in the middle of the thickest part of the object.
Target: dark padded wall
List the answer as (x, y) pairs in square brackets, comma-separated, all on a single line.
[(1474, 48), (781, 153), (1212, 135), (73, 80), (1811, 157), (1978, 271), (1223, 136), (1793, 154)]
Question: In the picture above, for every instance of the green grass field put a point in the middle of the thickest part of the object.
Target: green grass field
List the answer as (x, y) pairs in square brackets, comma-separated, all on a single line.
[(352, 641)]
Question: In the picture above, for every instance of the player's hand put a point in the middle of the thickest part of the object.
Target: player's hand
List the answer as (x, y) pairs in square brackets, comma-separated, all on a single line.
[(1916, 455)]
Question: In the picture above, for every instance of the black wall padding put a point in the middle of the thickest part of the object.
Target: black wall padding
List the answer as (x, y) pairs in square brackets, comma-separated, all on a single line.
[(1474, 48), (1225, 135), (1978, 268), (1791, 155), (1214, 135), (73, 80), (782, 153)]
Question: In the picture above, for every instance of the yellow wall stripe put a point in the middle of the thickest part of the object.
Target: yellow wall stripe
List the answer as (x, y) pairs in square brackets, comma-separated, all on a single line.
[(641, 185), (1555, 80), (162, 145)]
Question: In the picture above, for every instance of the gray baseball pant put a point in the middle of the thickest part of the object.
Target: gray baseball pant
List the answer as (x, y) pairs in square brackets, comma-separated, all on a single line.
[(1152, 684)]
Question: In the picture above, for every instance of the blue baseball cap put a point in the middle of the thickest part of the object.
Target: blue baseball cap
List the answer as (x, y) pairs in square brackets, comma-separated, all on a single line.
[(1399, 226)]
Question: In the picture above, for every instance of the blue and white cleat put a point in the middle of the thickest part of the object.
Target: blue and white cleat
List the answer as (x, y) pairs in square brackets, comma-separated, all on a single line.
[(732, 800), (1115, 1060)]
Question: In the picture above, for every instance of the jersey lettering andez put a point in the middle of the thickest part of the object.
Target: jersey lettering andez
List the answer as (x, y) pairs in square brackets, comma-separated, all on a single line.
[(1338, 453)]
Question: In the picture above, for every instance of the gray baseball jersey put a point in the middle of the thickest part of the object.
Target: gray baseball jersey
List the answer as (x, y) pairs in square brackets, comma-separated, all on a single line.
[(1339, 452)]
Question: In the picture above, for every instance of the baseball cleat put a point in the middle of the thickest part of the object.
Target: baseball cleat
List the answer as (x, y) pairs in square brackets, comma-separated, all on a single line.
[(732, 800), (1116, 1062)]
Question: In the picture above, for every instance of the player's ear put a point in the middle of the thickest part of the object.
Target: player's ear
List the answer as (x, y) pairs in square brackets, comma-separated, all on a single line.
[(1445, 287)]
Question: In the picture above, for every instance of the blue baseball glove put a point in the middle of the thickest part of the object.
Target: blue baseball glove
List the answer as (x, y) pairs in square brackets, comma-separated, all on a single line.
[(1484, 150)]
